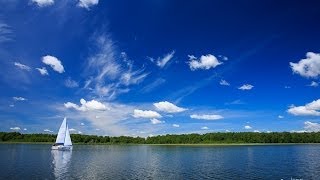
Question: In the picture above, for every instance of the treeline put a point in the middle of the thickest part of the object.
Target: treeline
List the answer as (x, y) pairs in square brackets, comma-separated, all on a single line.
[(209, 138)]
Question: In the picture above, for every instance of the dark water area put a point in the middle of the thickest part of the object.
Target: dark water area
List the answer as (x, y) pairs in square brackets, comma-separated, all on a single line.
[(38, 161)]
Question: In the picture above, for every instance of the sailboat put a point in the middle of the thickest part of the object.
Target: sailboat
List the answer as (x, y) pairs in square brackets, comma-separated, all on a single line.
[(63, 141)]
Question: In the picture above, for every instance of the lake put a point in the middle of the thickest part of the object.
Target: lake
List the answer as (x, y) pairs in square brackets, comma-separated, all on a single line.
[(37, 161)]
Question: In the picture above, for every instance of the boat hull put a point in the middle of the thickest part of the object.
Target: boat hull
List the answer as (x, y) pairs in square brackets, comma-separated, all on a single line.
[(62, 148)]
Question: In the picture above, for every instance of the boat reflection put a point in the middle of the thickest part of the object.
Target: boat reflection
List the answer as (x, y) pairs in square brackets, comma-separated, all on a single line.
[(61, 163)]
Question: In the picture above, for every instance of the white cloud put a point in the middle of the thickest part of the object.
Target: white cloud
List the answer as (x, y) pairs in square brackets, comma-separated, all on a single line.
[(82, 124), (48, 130), (19, 98), (168, 107), (314, 84), (311, 127), (108, 76), (309, 67), (206, 116), (235, 102), (22, 66), (15, 128), (54, 62), (5, 33), (11, 105), (137, 113), (224, 83), (204, 128), (132, 77), (280, 117), (87, 105), (256, 131), (310, 109), (43, 3), (72, 130), (71, 83), (247, 127), (162, 62), (176, 125), (156, 121), (79, 132), (225, 58), (116, 120), (205, 62), (87, 3), (43, 71), (153, 85), (246, 87), (25, 129)]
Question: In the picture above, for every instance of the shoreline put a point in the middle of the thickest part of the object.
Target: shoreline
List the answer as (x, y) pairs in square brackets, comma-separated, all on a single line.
[(211, 144)]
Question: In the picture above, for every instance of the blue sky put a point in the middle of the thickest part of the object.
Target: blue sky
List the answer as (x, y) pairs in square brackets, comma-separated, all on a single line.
[(143, 68)]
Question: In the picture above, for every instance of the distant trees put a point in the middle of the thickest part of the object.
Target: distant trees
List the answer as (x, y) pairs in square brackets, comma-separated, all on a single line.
[(209, 138)]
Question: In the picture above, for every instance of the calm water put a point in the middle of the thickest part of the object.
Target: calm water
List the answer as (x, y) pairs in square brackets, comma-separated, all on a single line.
[(28, 161)]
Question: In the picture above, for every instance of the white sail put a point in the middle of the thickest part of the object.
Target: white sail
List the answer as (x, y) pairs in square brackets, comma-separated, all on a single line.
[(62, 132), (67, 141)]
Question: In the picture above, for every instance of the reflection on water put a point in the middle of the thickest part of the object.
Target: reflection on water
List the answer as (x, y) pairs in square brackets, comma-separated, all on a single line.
[(29, 161), (61, 163)]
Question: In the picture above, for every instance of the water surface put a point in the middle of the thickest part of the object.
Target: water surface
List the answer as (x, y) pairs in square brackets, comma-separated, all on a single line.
[(37, 161)]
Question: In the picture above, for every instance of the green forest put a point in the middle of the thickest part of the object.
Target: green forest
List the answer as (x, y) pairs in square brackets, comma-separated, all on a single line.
[(209, 138)]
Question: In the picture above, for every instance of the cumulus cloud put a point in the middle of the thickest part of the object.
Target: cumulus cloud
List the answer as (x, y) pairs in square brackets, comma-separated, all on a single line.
[(137, 113), (310, 109), (71, 83), (204, 128), (87, 3), (311, 127), (168, 107), (246, 87), (224, 83), (161, 62), (156, 121), (25, 129), (43, 3), (19, 98), (22, 66), (43, 71), (247, 127), (87, 105), (256, 131), (280, 117), (206, 116), (54, 62), (15, 128), (176, 125), (309, 67), (117, 120), (205, 62)]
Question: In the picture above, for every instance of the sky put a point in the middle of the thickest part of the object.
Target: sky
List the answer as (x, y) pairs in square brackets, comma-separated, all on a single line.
[(145, 68)]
